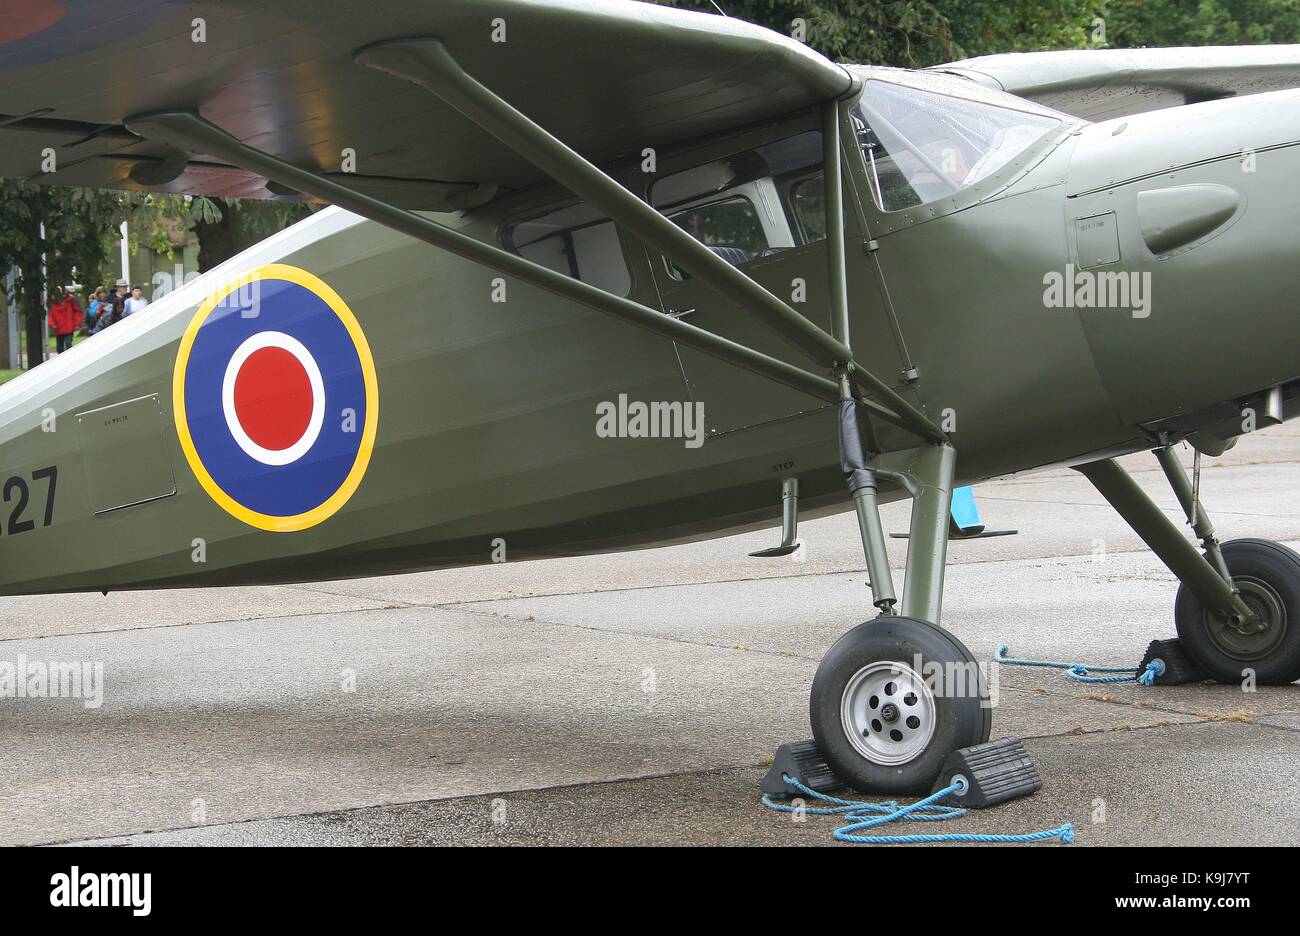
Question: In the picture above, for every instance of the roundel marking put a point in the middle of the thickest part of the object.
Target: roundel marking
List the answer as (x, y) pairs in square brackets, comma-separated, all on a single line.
[(276, 399)]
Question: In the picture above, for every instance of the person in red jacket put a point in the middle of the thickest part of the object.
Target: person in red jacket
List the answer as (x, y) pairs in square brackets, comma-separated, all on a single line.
[(64, 318)]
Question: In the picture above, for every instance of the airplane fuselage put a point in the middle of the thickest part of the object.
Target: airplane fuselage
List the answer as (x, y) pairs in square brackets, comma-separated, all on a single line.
[(1109, 282)]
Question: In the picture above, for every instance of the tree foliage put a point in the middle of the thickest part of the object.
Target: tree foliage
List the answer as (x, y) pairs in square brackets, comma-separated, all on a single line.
[(82, 231), (227, 225), (1134, 23), (917, 33)]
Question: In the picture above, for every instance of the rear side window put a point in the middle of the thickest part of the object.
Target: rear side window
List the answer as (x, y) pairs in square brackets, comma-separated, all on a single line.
[(576, 241), (728, 222)]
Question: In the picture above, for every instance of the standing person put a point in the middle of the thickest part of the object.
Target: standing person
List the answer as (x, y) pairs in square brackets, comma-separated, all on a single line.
[(112, 308), (64, 319), (97, 300), (136, 303)]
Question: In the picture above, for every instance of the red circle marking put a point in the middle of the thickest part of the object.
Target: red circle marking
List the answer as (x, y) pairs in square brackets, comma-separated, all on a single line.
[(22, 18), (273, 398)]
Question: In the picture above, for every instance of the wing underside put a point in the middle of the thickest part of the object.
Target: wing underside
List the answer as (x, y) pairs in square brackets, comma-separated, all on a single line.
[(608, 76)]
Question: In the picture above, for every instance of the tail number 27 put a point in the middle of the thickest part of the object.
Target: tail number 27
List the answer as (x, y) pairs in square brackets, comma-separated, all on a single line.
[(17, 492)]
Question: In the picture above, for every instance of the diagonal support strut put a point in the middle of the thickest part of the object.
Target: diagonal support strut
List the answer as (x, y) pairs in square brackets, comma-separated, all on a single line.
[(189, 132)]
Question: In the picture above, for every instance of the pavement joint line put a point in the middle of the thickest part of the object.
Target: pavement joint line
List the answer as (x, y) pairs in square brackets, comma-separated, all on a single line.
[(635, 588), (149, 627), (737, 648), (1120, 729), (1057, 474), (575, 785), (1275, 727), (1151, 707), (1172, 511), (462, 603)]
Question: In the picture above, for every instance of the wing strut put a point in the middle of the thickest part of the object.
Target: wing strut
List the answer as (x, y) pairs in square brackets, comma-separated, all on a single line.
[(426, 62)]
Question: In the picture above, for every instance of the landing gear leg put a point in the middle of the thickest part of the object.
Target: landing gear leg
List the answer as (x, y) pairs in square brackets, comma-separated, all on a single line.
[(895, 695), (1238, 605), (926, 473)]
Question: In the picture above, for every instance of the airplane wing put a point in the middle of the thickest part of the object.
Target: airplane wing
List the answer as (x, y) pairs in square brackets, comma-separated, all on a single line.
[(607, 76), (1098, 84)]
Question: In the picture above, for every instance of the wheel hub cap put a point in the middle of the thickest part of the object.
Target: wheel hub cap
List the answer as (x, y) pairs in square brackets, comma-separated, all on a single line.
[(888, 713), (1256, 638)]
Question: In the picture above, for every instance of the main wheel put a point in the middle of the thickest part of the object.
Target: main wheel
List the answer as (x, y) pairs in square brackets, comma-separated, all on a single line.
[(891, 699), (1268, 576)]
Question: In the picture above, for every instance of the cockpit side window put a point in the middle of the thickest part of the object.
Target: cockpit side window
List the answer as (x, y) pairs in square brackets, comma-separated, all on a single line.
[(920, 146), (745, 207), (807, 197)]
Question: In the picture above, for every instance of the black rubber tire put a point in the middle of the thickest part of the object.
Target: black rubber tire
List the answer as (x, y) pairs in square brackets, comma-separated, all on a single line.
[(962, 719), (1276, 566)]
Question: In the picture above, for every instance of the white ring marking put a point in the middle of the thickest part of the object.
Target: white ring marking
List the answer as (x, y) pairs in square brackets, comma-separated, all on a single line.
[(274, 339)]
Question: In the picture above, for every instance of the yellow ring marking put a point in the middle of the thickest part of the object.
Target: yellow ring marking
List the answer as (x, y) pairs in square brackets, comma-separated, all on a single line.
[(310, 518)]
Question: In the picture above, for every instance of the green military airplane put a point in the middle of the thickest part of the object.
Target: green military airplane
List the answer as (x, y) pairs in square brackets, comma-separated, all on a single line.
[(906, 280)]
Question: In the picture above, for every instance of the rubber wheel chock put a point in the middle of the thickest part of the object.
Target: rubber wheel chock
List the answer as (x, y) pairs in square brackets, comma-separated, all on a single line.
[(995, 771), (1179, 667), (804, 762)]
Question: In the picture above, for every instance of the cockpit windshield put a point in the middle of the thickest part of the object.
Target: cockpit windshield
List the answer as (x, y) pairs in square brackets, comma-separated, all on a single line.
[(921, 145)]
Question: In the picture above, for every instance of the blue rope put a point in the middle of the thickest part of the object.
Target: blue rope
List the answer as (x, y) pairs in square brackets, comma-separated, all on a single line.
[(862, 815), (1083, 673)]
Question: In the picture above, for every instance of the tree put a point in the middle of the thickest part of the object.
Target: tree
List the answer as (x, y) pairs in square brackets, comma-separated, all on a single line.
[(888, 32), (1133, 23), (74, 240), (225, 226), (917, 33), (82, 232)]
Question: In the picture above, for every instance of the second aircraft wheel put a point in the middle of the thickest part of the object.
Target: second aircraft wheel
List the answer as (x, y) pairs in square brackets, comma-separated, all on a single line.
[(1267, 575)]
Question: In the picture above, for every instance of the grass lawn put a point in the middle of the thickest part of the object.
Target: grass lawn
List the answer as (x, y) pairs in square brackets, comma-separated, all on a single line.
[(78, 338)]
